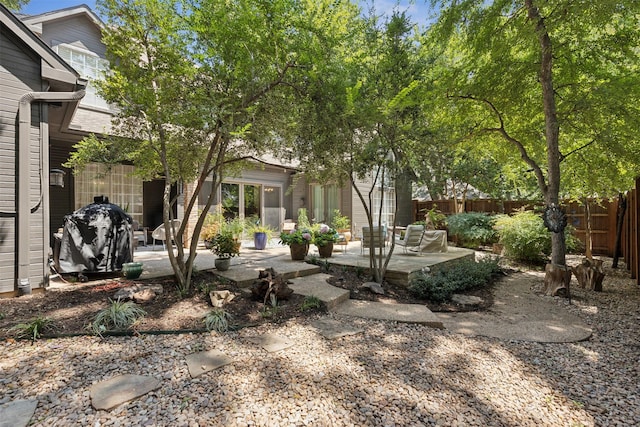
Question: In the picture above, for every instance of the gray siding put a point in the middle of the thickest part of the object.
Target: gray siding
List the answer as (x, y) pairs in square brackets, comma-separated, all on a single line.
[(77, 31), (19, 74)]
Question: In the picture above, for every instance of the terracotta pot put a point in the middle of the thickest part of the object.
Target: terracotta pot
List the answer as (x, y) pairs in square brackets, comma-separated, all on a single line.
[(298, 251), (326, 250)]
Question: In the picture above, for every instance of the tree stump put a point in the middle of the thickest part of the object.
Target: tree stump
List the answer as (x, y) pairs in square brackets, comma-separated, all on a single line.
[(270, 283), (556, 280), (589, 274)]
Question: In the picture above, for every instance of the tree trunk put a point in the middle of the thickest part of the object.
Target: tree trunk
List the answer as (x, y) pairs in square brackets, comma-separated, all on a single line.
[(589, 274), (622, 209), (588, 241), (557, 279), (404, 198)]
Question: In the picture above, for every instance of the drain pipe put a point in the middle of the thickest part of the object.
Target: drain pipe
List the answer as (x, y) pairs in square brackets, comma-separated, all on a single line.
[(24, 172)]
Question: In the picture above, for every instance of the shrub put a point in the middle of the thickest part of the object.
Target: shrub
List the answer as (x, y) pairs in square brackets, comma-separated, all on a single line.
[(472, 229), (119, 316), (525, 238), (34, 328), (217, 320), (461, 276)]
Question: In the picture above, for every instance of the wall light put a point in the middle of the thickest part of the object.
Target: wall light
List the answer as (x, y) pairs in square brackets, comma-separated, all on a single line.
[(56, 178)]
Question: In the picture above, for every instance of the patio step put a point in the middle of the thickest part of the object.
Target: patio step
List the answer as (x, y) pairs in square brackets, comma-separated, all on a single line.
[(244, 274), (318, 286)]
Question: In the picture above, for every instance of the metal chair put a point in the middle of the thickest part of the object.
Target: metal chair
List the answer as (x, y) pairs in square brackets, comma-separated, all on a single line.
[(412, 237), (373, 239)]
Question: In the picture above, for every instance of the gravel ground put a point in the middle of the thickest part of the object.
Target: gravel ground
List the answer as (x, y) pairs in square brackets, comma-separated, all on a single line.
[(390, 375)]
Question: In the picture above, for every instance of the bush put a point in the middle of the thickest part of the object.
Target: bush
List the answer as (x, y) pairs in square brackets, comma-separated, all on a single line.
[(463, 275), (525, 238), (34, 328), (472, 229), (119, 316)]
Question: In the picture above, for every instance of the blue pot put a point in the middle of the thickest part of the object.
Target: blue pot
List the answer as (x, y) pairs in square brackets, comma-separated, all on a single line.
[(260, 240)]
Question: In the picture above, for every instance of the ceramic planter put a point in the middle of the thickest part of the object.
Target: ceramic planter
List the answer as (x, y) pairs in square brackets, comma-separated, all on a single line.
[(222, 264), (132, 270), (260, 240), (326, 250)]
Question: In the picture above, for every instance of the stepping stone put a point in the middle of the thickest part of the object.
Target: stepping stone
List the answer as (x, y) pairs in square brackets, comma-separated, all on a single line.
[(332, 329), (205, 361), (403, 313), (468, 300), (271, 342), (111, 393), (17, 413)]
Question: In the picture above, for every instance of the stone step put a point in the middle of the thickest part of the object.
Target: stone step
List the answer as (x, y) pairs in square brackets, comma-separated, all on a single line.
[(243, 275), (318, 286)]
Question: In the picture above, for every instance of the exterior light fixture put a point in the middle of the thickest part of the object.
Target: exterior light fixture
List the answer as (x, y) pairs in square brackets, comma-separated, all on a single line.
[(56, 178)]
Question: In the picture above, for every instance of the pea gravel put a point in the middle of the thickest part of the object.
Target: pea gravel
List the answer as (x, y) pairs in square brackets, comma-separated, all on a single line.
[(389, 375)]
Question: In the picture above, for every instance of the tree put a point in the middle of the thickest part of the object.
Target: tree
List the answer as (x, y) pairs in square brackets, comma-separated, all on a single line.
[(545, 77), (15, 5), (196, 98)]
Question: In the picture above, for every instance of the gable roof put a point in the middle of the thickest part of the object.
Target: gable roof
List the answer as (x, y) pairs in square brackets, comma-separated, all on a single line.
[(60, 75), (36, 21)]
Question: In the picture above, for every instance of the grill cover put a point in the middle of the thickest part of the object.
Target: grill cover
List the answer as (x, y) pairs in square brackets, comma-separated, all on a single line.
[(96, 238)]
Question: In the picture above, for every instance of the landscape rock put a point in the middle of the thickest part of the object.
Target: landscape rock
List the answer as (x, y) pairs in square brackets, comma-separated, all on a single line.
[(467, 300), (374, 287), (144, 296), (220, 298), (127, 293)]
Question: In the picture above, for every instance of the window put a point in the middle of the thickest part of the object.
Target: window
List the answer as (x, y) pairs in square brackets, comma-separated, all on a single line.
[(119, 185), (325, 198), (90, 66), (386, 195)]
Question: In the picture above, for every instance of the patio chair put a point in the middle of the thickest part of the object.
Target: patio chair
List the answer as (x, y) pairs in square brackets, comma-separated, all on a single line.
[(374, 239), (160, 233), (412, 237)]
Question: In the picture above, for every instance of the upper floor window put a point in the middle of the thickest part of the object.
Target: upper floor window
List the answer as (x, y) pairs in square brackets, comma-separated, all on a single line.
[(89, 66)]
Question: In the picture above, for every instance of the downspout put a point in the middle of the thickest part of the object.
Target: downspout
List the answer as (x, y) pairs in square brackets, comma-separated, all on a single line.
[(24, 172)]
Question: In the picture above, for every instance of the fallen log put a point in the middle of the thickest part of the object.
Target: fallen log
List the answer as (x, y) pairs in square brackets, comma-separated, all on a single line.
[(270, 283)]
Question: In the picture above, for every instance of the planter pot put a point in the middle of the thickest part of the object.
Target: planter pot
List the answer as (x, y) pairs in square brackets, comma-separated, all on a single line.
[(298, 251), (222, 264), (326, 250), (132, 270), (208, 244), (260, 240)]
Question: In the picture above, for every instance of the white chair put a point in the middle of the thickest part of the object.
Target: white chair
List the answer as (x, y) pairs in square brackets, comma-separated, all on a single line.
[(160, 233), (412, 237), (374, 239)]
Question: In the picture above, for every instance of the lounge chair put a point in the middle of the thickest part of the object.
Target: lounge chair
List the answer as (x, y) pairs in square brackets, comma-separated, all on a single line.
[(374, 239), (160, 233), (412, 237)]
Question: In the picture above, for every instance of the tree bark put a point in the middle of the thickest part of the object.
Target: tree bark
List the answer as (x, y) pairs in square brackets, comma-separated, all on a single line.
[(622, 209), (557, 279), (590, 274)]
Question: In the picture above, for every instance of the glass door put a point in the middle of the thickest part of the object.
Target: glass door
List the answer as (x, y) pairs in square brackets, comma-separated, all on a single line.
[(230, 200), (272, 207)]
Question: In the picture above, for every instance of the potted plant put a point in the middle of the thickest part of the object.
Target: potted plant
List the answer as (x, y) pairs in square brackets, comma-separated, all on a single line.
[(260, 233), (298, 241), (324, 237), (225, 246), (342, 224), (212, 225)]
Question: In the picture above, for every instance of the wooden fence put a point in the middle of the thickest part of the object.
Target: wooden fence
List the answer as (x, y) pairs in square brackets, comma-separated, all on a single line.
[(603, 221)]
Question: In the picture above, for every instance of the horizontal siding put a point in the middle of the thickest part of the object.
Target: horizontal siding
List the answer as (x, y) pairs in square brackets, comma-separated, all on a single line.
[(19, 74), (77, 31)]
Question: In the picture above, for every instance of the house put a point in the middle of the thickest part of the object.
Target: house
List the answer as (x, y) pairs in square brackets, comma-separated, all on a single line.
[(61, 52), (40, 94)]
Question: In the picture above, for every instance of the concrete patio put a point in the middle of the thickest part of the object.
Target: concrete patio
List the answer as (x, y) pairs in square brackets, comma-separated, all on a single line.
[(244, 268)]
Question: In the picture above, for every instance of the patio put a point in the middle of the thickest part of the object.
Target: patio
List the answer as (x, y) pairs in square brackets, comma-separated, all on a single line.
[(244, 268)]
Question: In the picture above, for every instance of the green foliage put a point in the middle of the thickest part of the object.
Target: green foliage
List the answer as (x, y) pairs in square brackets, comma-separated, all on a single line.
[(339, 221), (34, 328), (298, 236), (225, 245), (217, 320), (119, 316), (323, 235), (461, 276), (472, 228), (311, 302), (525, 238), (303, 219)]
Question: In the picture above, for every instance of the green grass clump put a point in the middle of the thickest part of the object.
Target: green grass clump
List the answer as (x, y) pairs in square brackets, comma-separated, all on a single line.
[(463, 275), (311, 302), (217, 320), (119, 316), (34, 328)]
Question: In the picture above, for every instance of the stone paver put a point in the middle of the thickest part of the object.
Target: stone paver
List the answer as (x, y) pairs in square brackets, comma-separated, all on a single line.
[(333, 329), (17, 413), (112, 392), (317, 286), (205, 361), (271, 342), (406, 313)]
